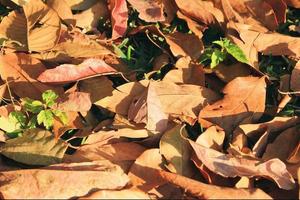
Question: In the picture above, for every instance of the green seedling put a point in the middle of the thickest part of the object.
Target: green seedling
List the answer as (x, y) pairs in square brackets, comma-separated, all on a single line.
[(220, 50), (37, 113)]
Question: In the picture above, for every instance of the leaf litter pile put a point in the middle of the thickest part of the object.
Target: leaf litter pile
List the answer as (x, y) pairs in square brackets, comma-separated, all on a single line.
[(150, 99)]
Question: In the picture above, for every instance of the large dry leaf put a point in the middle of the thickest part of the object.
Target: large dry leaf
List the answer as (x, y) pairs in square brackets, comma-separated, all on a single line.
[(131, 193), (212, 138), (35, 147), (182, 44), (187, 72), (122, 97), (192, 100), (229, 166), (37, 28), (80, 4), (89, 19), (235, 108), (201, 11), (102, 85), (148, 109), (283, 145), (21, 71), (176, 150), (205, 191), (139, 174), (295, 80), (66, 73), (74, 102), (63, 10), (119, 17), (61, 181), (149, 10), (122, 154)]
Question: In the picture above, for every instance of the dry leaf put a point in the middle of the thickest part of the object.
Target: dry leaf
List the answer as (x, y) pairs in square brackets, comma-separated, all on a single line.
[(205, 191), (187, 72), (230, 166), (235, 108), (89, 19), (185, 45), (70, 73), (102, 85), (80, 4), (119, 17), (22, 71), (76, 179), (149, 10), (176, 150), (63, 10), (131, 193), (212, 138), (36, 29), (283, 145), (74, 102), (192, 100), (295, 81), (196, 28), (139, 174)]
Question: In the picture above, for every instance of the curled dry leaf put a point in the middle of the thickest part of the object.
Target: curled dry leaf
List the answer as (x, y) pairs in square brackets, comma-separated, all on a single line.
[(36, 29), (66, 73), (230, 166), (149, 10), (119, 17), (235, 108), (35, 147), (22, 71), (76, 179)]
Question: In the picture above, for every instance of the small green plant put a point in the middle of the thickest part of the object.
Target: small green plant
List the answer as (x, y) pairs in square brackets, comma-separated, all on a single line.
[(35, 112), (220, 50)]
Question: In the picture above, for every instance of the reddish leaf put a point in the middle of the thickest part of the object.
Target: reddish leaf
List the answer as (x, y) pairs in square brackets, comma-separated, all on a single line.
[(69, 73), (119, 17)]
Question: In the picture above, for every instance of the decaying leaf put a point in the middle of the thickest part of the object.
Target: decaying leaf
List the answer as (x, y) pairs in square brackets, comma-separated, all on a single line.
[(229, 166), (76, 179), (295, 82), (35, 147), (69, 73), (37, 28), (74, 102)]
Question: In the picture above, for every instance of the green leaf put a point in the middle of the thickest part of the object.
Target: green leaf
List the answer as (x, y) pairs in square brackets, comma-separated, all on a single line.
[(18, 118), (35, 147), (33, 106), (61, 115), (233, 50), (46, 117), (217, 57), (49, 97)]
